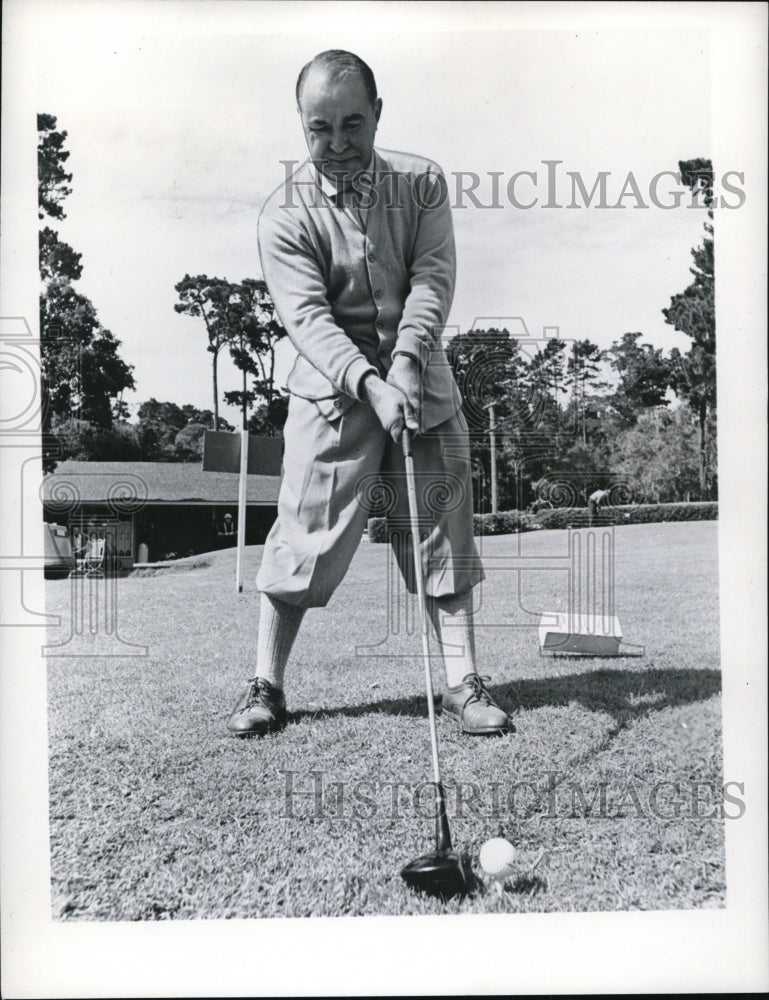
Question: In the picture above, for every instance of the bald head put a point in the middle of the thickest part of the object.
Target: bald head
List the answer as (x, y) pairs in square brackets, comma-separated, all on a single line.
[(335, 66)]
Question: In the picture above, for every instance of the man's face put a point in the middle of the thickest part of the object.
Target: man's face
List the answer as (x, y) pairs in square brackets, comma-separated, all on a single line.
[(339, 124)]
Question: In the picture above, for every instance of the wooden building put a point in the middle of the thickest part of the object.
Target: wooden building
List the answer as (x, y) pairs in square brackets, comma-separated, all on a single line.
[(174, 509)]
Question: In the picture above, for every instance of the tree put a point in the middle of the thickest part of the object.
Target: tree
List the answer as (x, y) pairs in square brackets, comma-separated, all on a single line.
[(52, 179), (490, 367), (546, 368), (659, 455), (159, 424), (644, 377), (571, 450), (82, 369), (545, 380), (209, 299), (189, 443), (240, 316), (57, 259), (82, 373), (693, 313), (255, 332), (582, 369), (85, 442)]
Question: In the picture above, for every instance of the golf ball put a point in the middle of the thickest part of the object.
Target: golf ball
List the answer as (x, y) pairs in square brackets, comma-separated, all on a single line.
[(498, 857)]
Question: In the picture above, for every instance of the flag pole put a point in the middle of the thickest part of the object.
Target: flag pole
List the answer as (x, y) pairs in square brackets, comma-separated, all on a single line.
[(242, 509)]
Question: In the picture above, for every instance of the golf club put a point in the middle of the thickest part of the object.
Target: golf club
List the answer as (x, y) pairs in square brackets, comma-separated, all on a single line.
[(439, 873)]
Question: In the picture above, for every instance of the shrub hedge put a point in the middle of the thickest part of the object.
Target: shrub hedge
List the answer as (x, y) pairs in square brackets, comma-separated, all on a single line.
[(563, 517), (506, 522), (509, 522)]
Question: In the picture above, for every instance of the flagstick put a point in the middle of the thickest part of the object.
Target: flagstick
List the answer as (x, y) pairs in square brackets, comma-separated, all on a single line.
[(242, 509)]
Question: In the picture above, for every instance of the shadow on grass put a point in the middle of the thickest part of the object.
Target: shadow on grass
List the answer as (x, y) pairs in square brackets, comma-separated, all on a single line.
[(527, 885), (523, 885), (475, 886), (625, 694)]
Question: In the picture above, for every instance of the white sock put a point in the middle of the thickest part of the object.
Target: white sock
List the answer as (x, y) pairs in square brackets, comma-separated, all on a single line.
[(452, 619), (278, 627)]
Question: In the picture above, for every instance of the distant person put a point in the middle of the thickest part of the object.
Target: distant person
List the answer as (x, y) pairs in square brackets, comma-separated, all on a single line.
[(226, 532), (596, 502), (357, 249)]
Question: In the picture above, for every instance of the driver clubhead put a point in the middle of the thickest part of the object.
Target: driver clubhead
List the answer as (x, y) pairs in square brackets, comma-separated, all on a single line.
[(437, 874)]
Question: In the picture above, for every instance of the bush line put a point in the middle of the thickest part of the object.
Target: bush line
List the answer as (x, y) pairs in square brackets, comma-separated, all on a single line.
[(510, 522)]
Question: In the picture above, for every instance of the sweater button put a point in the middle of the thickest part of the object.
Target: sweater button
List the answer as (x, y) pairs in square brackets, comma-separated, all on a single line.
[(377, 294), (371, 258)]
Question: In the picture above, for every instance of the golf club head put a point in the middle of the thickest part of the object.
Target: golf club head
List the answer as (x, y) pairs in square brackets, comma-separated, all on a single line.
[(437, 874)]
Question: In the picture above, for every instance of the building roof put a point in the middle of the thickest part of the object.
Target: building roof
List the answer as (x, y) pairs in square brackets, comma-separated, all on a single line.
[(135, 483)]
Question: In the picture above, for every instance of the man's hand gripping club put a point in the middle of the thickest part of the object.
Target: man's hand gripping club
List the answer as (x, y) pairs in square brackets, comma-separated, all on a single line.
[(396, 401)]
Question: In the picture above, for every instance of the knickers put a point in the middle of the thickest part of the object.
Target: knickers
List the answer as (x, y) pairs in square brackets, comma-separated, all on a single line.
[(336, 474)]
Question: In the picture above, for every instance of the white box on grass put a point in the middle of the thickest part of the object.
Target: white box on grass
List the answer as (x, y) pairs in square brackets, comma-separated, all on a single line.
[(579, 635)]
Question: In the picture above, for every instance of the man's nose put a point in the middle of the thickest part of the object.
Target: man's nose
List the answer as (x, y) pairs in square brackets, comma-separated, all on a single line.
[(338, 142)]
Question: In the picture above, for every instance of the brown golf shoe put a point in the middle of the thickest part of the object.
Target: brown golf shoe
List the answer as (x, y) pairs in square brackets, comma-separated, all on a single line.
[(261, 709), (473, 708)]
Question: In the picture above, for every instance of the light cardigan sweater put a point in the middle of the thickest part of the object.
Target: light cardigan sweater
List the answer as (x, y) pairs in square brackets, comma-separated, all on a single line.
[(354, 287)]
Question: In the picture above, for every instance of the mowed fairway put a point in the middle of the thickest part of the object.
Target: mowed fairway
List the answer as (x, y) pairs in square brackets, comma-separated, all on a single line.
[(610, 788)]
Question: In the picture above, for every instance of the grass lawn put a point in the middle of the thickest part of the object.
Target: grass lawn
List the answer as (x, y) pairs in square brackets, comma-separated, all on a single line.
[(157, 813)]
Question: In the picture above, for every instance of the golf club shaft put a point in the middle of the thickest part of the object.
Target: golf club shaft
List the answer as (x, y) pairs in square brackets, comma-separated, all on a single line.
[(415, 545)]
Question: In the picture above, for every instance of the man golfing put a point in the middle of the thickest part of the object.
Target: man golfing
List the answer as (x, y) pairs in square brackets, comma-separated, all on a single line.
[(596, 502), (357, 250)]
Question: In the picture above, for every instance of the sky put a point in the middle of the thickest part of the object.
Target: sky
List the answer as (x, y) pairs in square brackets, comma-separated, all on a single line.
[(177, 126)]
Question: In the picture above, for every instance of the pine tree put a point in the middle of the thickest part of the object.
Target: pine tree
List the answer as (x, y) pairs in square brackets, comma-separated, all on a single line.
[(83, 374), (693, 313)]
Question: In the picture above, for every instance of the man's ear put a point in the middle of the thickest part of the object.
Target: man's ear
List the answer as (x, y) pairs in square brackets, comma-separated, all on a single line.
[(377, 109)]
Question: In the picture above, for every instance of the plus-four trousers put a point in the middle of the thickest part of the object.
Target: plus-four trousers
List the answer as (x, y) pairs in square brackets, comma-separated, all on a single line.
[(336, 474)]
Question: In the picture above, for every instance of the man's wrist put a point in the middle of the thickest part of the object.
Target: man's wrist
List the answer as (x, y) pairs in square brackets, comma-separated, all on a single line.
[(404, 356), (355, 375), (408, 345), (369, 385)]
